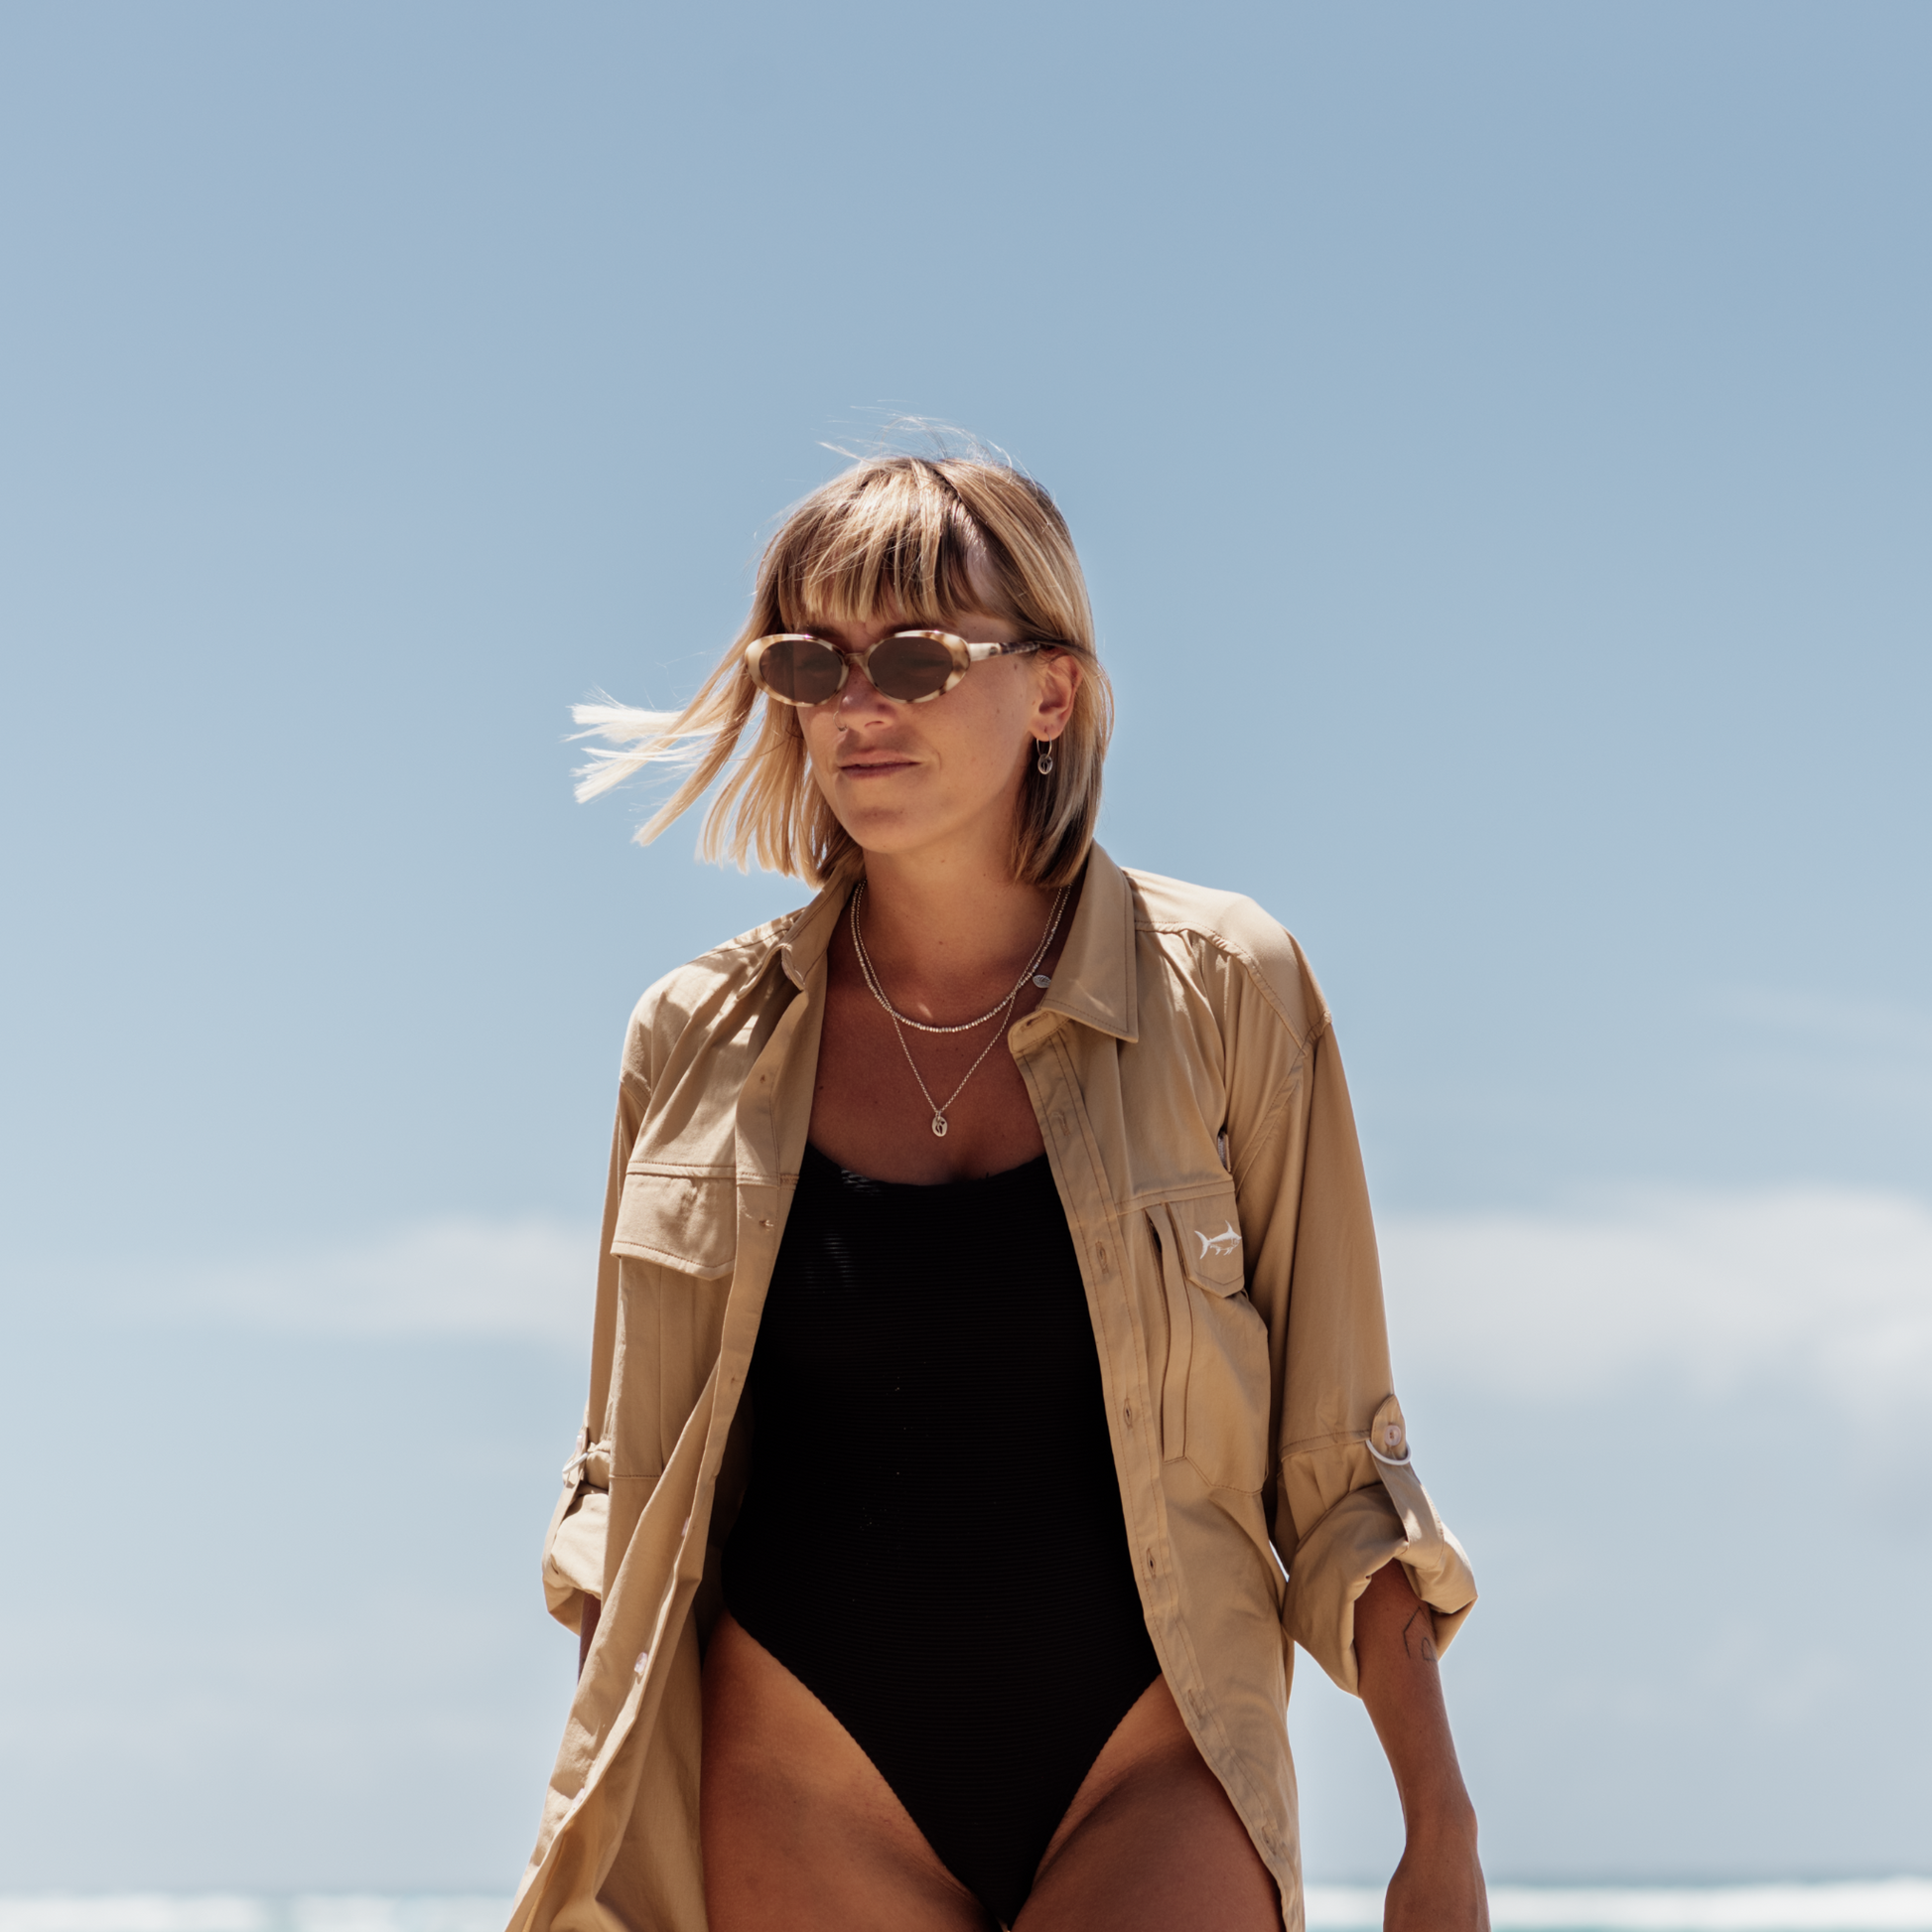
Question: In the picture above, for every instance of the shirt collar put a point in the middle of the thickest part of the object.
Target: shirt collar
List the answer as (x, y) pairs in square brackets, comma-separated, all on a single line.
[(1094, 982), (806, 936)]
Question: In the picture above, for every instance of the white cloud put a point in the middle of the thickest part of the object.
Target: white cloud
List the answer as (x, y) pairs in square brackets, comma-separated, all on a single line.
[(473, 1276), (1831, 1288)]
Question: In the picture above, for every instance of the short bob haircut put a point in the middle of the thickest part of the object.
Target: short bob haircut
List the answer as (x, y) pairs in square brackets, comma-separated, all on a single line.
[(918, 539)]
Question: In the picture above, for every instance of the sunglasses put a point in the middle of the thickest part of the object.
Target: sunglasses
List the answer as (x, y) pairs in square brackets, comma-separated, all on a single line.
[(910, 666)]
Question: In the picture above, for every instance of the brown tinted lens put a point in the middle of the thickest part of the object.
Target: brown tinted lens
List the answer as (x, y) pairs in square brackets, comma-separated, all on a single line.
[(910, 667), (801, 670)]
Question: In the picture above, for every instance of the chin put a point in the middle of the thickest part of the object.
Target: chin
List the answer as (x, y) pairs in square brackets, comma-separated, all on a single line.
[(882, 823), (884, 832), (900, 817)]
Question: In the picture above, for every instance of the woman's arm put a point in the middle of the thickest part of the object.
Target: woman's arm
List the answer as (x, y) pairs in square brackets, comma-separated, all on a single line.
[(1438, 1886)]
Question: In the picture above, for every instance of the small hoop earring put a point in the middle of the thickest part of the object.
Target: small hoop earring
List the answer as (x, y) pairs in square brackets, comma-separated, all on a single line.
[(1044, 765)]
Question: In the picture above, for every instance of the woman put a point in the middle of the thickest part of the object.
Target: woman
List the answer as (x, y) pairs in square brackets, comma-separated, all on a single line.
[(989, 1373)]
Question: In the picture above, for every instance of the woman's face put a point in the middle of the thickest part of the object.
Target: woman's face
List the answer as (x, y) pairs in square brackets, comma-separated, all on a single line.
[(907, 778)]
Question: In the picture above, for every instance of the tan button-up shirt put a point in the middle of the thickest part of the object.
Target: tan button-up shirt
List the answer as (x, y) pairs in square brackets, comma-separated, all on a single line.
[(1188, 1086)]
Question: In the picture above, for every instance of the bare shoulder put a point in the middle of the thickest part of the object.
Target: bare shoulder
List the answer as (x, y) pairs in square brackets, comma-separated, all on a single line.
[(1217, 924)]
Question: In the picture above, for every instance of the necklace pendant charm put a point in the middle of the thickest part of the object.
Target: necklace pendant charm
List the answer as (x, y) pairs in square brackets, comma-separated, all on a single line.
[(940, 1125), (1041, 979)]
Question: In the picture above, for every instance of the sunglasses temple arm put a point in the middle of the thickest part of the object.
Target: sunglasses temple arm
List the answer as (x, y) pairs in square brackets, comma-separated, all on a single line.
[(979, 653)]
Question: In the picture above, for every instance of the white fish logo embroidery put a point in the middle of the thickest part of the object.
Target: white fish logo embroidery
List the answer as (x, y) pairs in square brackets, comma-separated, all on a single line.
[(1223, 1243)]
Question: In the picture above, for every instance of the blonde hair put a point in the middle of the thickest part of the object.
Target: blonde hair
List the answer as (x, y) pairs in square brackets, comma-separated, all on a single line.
[(919, 538)]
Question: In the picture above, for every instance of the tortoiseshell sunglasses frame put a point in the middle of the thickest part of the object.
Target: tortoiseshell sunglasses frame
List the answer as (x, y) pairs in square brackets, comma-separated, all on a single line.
[(963, 654)]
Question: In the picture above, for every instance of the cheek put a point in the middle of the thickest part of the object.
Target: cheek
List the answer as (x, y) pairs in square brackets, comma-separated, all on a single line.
[(971, 752), (986, 717), (998, 730), (821, 731)]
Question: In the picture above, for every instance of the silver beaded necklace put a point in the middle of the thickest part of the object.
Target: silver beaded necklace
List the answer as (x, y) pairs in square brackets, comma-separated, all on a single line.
[(901, 1020)]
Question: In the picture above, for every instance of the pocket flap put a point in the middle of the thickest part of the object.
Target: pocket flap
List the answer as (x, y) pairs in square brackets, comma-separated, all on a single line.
[(685, 1221), (1206, 1235)]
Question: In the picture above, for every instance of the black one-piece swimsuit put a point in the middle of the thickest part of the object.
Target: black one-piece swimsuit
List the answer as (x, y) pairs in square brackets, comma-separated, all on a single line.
[(933, 1540)]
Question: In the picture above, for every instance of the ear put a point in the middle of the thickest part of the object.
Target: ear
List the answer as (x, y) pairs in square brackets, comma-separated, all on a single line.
[(1059, 683)]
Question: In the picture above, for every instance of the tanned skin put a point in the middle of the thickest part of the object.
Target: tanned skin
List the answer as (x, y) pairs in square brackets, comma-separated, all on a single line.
[(1438, 1884)]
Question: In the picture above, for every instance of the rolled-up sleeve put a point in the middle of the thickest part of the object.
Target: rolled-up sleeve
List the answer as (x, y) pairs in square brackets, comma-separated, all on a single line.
[(573, 1548), (1346, 1497), (1375, 1517)]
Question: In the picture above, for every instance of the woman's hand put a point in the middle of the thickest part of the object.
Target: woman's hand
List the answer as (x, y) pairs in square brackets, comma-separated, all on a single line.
[(1438, 1886)]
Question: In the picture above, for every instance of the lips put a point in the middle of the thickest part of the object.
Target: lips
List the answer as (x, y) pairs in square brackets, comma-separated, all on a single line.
[(877, 762)]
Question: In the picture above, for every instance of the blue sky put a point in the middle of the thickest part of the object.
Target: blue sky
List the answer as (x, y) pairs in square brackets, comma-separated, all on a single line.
[(1497, 441)]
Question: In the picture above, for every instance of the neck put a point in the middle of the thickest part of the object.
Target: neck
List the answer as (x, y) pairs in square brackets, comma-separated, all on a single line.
[(941, 931)]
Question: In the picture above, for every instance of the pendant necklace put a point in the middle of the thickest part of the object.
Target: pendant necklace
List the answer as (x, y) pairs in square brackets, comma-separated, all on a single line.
[(901, 1020)]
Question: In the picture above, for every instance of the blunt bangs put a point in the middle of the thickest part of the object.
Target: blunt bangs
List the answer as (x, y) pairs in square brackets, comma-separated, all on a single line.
[(899, 544)]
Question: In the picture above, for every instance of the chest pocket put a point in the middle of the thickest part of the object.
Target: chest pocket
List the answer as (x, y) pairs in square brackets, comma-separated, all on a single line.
[(676, 1243), (680, 1219), (1214, 1389)]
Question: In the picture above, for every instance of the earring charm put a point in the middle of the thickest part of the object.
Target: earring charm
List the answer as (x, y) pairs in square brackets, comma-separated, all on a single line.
[(1044, 764)]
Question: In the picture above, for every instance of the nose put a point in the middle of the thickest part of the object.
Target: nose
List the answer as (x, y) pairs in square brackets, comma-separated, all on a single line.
[(859, 699)]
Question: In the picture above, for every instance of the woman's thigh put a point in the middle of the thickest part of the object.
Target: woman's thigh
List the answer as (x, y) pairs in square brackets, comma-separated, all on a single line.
[(801, 1832), (1150, 1842)]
